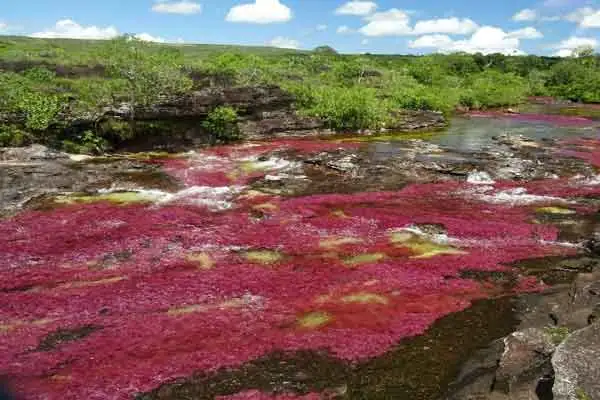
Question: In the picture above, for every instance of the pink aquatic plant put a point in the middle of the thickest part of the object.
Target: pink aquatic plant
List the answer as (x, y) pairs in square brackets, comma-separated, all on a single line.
[(172, 290), (587, 149)]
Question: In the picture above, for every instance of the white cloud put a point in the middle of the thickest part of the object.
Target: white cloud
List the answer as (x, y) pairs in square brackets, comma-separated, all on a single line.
[(452, 26), (392, 22), (3, 26), (567, 47), (486, 40), (321, 28), (586, 17), (357, 7), (591, 20), (364, 42), (439, 42), (146, 37), (284, 43), (526, 14), (526, 33), (67, 28), (344, 29), (260, 12), (184, 7), (579, 14)]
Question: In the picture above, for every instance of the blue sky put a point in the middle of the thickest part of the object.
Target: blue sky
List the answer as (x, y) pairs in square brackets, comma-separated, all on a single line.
[(384, 26)]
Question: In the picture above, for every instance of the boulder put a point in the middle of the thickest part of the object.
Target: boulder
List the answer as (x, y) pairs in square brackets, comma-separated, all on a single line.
[(576, 366)]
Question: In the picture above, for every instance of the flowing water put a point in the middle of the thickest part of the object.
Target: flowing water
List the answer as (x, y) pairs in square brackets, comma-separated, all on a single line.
[(345, 268)]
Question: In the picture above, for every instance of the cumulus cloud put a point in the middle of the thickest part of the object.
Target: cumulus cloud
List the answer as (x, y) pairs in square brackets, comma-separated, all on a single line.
[(393, 22), (567, 47), (146, 37), (260, 12), (586, 17), (67, 28), (344, 29), (526, 33), (526, 14), (591, 20), (486, 40), (451, 26), (3, 26), (184, 7), (321, 28), (364, 42), (284, 43), (357, 7)]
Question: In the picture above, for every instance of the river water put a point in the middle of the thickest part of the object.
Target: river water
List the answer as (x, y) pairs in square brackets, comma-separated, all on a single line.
[(346, 268)]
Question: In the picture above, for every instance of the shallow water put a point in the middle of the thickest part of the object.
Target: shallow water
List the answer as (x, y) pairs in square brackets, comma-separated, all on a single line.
[(476, 133), (234, 282)]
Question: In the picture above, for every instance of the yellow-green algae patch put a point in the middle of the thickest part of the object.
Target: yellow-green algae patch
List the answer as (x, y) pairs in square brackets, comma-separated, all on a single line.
[(113, 197), (421, 247), (366, 258), (365, 298), (314, 320), (555, 210), (338, 241), (264, 257), (203, 260)]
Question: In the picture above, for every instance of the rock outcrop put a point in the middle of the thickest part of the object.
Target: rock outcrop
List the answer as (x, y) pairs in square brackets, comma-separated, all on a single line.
[(575, 362)]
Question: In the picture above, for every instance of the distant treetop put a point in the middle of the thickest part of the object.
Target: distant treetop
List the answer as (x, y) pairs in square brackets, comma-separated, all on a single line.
[(325, 50)]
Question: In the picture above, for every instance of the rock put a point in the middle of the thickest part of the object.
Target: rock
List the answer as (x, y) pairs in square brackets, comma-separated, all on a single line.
[(412, 120), (32, 153), (345, 164), (247, 100), (280, 123), (25, 183), (576, 365), (526, 359), (480, 178)]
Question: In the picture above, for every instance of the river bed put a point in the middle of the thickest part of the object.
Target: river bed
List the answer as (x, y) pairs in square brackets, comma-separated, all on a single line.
[(347, 268)]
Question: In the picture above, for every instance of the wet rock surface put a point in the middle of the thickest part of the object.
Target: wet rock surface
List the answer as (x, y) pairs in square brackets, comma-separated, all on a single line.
[(31, 172)]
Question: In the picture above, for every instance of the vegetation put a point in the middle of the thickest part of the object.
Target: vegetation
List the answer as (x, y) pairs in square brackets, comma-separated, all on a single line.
[(222, 125), (47, 83), (558, 334)]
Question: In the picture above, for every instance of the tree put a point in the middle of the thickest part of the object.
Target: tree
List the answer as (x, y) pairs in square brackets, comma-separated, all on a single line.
[(149, 70), (583, 51), (328, 50)]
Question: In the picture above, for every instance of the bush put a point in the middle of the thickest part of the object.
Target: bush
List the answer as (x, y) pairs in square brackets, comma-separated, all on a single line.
[(222, 125), (12, 136), (349, 108), (495, 89)]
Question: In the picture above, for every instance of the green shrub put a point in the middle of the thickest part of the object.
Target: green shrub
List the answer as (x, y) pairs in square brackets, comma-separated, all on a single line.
[(349, 108), (495, 89), (40, 109), (12, 136), (222, 125), (87, 142)]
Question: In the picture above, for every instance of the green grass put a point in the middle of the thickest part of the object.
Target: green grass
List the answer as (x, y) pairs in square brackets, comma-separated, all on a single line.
[(65, 78)]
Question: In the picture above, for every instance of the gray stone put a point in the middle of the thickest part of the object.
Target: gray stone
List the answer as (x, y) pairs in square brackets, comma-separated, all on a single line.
[(576, 365)]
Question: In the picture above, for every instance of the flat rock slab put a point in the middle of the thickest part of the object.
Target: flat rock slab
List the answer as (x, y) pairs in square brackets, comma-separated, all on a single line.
[(576, 366)]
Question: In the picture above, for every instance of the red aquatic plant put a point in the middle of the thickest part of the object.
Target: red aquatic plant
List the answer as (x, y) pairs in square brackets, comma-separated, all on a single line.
[(179, 289)]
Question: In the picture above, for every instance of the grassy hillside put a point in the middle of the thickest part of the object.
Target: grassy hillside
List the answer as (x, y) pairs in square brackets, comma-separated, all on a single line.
[(46, 83)]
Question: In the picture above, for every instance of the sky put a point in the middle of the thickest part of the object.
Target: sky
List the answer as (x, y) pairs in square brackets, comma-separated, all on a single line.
[(544, 27)]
